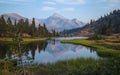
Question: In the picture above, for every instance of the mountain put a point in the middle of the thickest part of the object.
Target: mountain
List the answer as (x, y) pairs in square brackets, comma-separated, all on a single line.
[(71, 31), (60, 23), (107, 24), (55, 21), (13, 16)]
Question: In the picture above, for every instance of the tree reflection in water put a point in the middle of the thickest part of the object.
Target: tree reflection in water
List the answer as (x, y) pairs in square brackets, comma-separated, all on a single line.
[(32, 47), (49, 51), (7, 52)]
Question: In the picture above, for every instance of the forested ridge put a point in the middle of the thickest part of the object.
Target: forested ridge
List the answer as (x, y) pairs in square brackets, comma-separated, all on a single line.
[(9, 29), (105, 25)]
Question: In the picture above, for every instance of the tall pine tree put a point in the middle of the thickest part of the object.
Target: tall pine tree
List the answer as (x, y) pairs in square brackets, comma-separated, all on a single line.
[(33, 28), (3, 26), (20, 26), (26, 26), (9, 27)]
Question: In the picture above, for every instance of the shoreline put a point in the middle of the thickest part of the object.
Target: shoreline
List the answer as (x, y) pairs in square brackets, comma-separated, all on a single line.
[(100, 49)]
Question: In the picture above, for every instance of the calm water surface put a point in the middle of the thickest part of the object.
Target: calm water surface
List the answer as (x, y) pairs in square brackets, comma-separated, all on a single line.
[(49, 51)]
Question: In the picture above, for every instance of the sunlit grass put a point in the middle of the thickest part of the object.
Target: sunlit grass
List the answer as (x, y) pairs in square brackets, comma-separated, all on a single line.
[(6, 39), (33, 39), (25, 40)]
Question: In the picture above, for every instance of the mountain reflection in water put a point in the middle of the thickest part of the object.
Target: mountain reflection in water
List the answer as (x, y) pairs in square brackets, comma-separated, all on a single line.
[(49, 51)]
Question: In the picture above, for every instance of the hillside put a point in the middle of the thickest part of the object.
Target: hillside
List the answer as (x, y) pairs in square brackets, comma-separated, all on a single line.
[(108, 24), (71, 31)]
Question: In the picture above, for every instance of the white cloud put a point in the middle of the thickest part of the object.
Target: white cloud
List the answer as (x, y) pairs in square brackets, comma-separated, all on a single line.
[(114, 3), (20, 0), (66, 10), (71, 2), (110, 3), (15, 1), (47, 8), (101, 0), (49, 3)]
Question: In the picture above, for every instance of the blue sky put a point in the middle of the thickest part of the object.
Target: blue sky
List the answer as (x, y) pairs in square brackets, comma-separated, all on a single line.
[(84, 10)]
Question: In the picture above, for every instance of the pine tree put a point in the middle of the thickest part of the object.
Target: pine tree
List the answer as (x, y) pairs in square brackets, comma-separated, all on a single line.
[(109, 27), (102, 30), (20, 26), (91, 21), (3, 26), (40, 30), (9, 27), (0, 27), (45, 33), (14, 27), (33, 28), (54, 32), (26, 26)]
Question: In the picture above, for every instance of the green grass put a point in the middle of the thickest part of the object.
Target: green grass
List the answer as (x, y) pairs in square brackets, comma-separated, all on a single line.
[(101, 50), (68, 67), (33, 39), (79, 66), (25, 40)]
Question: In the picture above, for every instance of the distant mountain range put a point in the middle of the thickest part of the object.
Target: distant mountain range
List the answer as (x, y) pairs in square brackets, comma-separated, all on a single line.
[(55, 21)]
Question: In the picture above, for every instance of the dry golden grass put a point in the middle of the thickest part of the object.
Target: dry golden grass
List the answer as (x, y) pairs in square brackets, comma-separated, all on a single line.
[(112, 41)]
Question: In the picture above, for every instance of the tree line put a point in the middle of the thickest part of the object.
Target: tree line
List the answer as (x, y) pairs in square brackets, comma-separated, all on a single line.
[(9, 28), (107, 24)]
